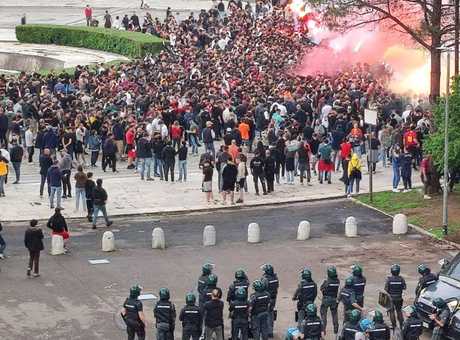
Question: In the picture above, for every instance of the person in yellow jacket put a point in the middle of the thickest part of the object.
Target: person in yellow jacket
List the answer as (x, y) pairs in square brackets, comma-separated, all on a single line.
[(3, 174), (354, 173)]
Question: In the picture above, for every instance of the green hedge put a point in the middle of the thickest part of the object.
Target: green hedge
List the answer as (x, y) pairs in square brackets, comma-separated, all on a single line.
[(130, 44)]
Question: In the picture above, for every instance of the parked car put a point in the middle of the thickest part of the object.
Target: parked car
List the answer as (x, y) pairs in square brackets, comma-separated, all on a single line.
[(448, 288)]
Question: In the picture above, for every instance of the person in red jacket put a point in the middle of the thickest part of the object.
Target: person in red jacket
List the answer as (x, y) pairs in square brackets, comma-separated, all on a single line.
[(411, 143), (176, 134), (88, 15)]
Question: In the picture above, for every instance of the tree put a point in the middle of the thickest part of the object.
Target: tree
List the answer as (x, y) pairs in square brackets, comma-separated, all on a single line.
[(434, 144), (430, 23)]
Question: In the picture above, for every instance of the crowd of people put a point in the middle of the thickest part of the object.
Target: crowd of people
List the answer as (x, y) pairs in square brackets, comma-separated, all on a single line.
[(227, 75), (255, 315)]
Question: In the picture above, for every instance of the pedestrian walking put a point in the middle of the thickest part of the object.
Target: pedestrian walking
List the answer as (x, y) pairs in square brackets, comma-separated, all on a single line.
[(45, 162), (100, 199), (396, 164), (58, 225), (88, 15), (29, 143), (94, 146), (406, 170), (54, 179), (16, 154), (229, 175), (206, 186), (33, 240), (2, 244), (241, 177), (80, 184), (109, 154), (65, 164), (325, 165), (182, 155), (269, 171), (107, 20), (144, 154), (169, 160), (354, 174), (3, 174), (257, 171), (89, 192)]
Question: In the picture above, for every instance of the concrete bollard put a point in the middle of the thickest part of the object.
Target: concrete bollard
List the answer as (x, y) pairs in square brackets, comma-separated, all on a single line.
[(303, 231), (158, 239), (108, 241), (400, 226), (209, 236), (351, 227), (253, 233), (57, 245)]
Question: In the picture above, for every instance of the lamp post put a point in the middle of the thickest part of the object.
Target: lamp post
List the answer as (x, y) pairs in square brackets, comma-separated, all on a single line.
[(445, 191)]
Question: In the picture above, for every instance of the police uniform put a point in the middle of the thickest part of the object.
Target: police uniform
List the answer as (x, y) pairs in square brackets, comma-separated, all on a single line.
[(330, 289), (202, 280), (412, 328), (134, 325), (191, 317), (260, 310), (312, 328), (272, 288), (380, 332), (305, 294), (425, 281), (348, 298), (349, 330), (394, 286), (239, 313), (235, 286), (165, 315), (359, 284), (443, 316)]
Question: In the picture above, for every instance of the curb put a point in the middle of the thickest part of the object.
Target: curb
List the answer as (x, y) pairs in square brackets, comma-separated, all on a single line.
[(418, 229), (199, 210)]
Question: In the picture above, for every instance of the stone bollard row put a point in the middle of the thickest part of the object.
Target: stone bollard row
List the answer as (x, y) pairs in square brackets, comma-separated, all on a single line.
[(209, 236), (400, 225), (158, 238), (351, 227), (108, 241), (57, 245)]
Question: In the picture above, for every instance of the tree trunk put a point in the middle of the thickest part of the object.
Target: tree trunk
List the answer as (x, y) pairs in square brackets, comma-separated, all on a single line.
[(435, 78), (457, 36)]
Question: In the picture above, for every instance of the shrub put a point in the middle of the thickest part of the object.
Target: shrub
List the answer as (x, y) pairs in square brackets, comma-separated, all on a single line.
[(130, 44)]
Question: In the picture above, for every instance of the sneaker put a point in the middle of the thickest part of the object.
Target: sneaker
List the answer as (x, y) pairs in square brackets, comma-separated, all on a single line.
[(109, 223), (35, 275), (16, 182), (349, 196), (406, 190), (28, 272), (239, 200), (426, 197), (94, 227), (2, 256), (150, 179), (395, 190)]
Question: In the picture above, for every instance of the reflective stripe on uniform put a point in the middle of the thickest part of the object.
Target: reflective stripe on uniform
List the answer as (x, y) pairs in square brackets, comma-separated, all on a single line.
[(167, 307), (191, 312)]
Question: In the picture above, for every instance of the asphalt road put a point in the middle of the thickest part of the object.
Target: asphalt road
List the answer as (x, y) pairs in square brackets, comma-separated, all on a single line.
[(74, 300)]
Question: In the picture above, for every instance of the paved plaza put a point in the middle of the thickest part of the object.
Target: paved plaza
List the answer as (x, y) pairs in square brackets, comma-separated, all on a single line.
[(74, 300)]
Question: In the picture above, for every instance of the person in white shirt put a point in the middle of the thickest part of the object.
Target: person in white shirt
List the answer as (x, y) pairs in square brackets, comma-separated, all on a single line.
[(30, 143), (116, 23)]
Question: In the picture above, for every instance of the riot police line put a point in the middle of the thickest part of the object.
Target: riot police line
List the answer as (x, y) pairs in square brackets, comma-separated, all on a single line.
[(253, 315)]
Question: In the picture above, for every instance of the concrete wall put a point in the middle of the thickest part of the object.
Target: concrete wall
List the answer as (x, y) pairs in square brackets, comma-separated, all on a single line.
[(28, 63)]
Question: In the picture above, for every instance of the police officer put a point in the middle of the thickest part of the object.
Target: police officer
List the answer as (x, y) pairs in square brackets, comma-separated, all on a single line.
[(211, 284), (133, 315), (359, 283), (165, 316), (305, 294), (312, 327), (206, 270), (241, 281), (380, 331), (412, 326), (239, 313), (348, 298), (427, 278), (440, 318), (330, 289), (260, 310), (394, 286), (191, 318), (351, 326), (272, 284)]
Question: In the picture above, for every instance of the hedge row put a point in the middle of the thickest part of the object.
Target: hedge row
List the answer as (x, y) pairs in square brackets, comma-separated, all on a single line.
[(130, 44)]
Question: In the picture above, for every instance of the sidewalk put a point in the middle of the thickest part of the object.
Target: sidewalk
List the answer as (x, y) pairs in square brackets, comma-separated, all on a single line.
[(129, 195)]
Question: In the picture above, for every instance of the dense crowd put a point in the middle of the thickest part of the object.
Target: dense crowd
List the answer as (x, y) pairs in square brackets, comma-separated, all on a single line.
[(226, 76)]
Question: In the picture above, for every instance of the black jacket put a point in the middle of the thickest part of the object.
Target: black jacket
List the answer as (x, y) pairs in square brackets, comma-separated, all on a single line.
[(45, 164), (89, 189), (33, 239), (57, 223), (99, 196), (16, 153), (168, 154)]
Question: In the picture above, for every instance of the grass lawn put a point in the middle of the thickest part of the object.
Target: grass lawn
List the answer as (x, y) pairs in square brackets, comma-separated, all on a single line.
[(424, 213)]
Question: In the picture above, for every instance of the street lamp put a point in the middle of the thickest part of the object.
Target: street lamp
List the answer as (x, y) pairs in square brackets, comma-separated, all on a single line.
[(445, 192)]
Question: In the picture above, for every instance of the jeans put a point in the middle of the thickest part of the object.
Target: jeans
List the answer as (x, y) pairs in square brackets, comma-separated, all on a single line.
[(94, 156), (218, 331), (80, 192), (210, 147), (2, 181), (34, 259), (42, 185), (17, 170), (260, 178), (158, 167), (260, 326), (58, 192), (145, 165), (350, 185), (30, 153), (98, 208), (183, 170), (290, 176), (168, 168), (396, 176), (2, 245), (193, 143)]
